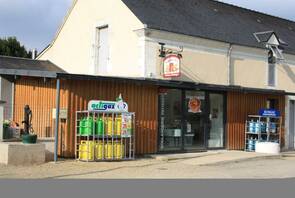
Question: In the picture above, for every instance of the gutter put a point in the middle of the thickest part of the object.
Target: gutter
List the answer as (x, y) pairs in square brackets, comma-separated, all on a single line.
[(171, 83), (24, 72), (290, 93)]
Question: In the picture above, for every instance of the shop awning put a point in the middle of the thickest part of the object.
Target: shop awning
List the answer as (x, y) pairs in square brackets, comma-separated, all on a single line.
[(14, 66), (172, 84)]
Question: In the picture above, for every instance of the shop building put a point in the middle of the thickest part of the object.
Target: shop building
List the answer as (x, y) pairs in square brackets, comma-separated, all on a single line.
[(164, 122), (217, 44), (223, 73)]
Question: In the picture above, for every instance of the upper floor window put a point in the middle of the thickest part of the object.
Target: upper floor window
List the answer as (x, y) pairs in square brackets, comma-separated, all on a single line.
[(101, 57), (271, 74), (271, 77)]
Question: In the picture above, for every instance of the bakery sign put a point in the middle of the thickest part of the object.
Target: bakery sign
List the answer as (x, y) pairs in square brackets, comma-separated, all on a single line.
[(171, 66)]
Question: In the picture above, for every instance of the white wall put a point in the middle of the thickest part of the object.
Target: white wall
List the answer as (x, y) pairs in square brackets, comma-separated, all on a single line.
[(6, 94), (73, 49)]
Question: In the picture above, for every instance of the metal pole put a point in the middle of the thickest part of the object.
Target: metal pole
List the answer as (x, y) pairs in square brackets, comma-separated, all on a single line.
[(1, 120), (57, 119)]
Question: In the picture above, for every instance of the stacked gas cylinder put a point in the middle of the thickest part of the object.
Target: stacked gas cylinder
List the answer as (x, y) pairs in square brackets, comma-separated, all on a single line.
[(109, 144)]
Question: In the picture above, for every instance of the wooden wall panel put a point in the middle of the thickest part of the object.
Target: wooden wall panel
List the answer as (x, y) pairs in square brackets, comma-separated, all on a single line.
[(142, 99), (239, 106), (40, 96)]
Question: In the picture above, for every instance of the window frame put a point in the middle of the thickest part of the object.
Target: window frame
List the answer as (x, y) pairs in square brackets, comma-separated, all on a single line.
[(93, 51), (273, 82)]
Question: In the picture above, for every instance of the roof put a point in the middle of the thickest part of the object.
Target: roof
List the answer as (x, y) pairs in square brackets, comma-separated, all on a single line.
[(211, 20), (28, 67), (171, 84)]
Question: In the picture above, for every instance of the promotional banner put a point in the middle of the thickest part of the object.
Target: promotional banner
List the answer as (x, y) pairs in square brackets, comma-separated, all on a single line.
[(194, 105), (126, 125)]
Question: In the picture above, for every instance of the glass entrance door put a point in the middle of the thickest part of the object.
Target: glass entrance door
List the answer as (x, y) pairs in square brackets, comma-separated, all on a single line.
[(195, 118), (190, 120), (216, 121), (170, 101)]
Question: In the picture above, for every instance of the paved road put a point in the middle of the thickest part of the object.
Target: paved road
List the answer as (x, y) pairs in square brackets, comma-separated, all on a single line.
[(149, 168)]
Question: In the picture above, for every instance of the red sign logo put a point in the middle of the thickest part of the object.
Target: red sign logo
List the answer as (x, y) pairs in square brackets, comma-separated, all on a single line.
[(171, 66)]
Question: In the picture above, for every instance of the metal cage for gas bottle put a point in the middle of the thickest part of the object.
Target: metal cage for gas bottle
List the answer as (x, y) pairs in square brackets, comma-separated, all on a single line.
[(104, 136)]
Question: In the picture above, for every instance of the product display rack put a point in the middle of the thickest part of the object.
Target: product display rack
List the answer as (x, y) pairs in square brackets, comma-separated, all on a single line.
[(262, 129), (104, 136)]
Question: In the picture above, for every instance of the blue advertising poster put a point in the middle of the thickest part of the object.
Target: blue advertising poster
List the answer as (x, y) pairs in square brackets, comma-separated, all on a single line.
[(269, 112)]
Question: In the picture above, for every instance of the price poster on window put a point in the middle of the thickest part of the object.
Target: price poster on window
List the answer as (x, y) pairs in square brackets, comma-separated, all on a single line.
[(194, 105), (126, 125)]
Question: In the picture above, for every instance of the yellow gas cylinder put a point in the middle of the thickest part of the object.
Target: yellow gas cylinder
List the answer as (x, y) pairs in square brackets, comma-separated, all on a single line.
[(118, 122), (86, 150), (118, 150), (109, 151), (109, 126), (99, 150)]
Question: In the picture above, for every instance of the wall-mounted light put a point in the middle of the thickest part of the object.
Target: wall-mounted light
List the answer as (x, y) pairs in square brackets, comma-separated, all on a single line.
[(162, 50)]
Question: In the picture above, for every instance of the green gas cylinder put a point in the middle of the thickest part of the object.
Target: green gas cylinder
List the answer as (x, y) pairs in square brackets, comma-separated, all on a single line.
[(89, 126), (99, 127), (82, 126)]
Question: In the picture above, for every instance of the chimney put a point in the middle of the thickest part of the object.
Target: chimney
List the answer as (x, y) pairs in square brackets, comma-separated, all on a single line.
[(34, 53)]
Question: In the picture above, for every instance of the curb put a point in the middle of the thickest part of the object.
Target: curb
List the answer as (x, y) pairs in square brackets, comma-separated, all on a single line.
[(167, 158), (243, 160), (288, 155)]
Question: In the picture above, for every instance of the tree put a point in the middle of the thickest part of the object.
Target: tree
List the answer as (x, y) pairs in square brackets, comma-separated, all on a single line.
[(10, 46)]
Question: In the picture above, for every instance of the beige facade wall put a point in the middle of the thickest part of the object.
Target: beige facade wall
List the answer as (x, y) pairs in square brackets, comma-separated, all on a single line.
[(249, 67), (249, 73), (197, 68), (73, 49), (206, 61), (203, 61), (286, 74), (200, 67)]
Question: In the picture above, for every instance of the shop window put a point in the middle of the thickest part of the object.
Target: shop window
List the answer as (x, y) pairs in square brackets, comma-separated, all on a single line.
[(170, 119)]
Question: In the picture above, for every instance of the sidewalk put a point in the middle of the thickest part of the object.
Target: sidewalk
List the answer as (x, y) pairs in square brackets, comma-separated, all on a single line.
[(212, 164), (214, 157)]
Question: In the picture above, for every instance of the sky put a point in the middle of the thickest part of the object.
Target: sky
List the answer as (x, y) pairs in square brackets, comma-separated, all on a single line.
[(280, 8), (35, 22)]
